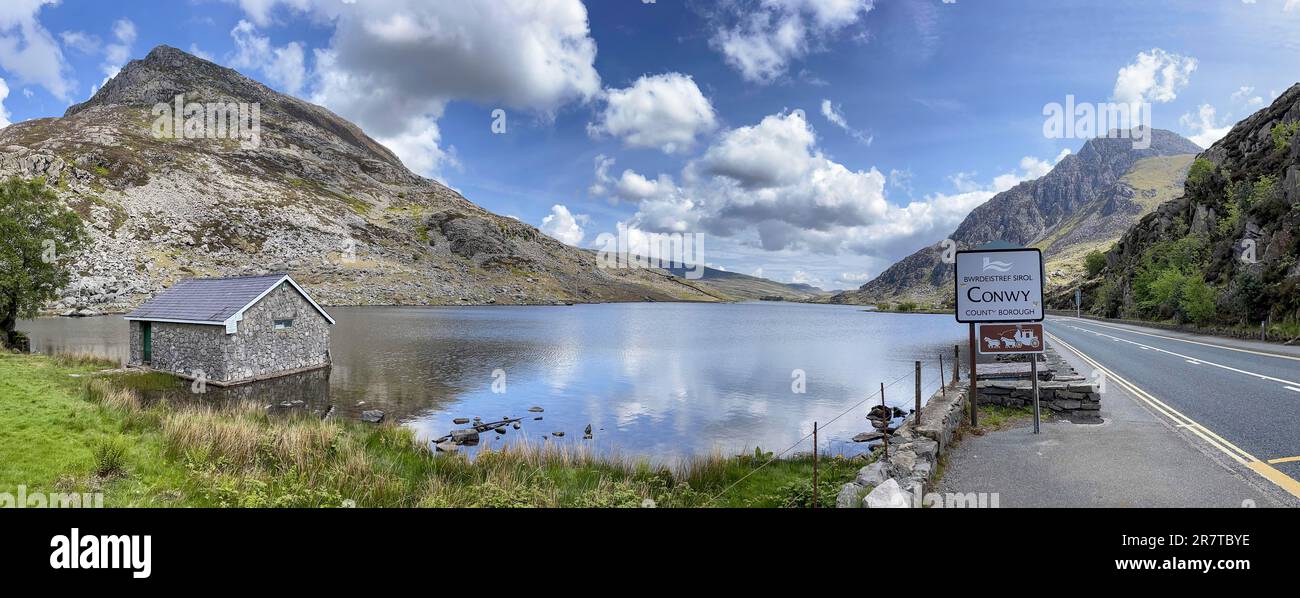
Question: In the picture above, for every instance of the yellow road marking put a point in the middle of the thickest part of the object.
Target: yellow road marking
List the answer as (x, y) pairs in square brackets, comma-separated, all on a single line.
[(1183, 340), (1223, 445), (1285, 460), (1283, 480), (1265, 470)]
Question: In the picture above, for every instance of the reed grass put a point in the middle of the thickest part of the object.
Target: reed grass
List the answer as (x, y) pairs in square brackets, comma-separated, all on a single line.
[(237, 455)]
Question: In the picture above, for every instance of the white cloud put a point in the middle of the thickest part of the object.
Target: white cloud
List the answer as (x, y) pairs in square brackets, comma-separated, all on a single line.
[(760, 38), (770, 185), (772, 153), (195, 50), (1246, 95), (833, 114), (665, 111), (393, 65), (526, 54), (801, 277), (284, 66), (27, 50), (418, 147), (901, 179), (81, 41), (4, 114), (117, 53), (600, 187), (1031, 168), (260, 10), (632, 186), (1154, 76), (855, 277), (564, 226), (1204, 123)]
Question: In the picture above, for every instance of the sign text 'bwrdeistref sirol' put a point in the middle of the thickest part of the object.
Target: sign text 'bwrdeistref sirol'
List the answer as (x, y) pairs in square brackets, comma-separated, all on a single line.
[(1000, 285)]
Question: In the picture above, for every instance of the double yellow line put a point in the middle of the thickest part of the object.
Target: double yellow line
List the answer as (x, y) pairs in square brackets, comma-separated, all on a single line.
[(1233, 451)]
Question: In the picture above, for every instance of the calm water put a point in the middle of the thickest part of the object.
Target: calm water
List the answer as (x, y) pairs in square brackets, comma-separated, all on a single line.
[(657, 379)]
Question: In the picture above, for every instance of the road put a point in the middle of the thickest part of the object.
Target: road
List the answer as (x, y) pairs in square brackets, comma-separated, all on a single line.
[(1238, 398)]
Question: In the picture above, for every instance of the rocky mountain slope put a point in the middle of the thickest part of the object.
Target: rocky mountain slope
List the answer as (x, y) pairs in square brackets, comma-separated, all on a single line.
[(1227, 251), (1085, 202), (316, 197), (752, 288)]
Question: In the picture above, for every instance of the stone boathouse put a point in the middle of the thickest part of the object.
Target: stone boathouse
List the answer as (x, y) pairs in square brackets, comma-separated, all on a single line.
[(231, 330)]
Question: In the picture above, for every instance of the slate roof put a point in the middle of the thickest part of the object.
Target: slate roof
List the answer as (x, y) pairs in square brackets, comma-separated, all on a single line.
[(211, 300)]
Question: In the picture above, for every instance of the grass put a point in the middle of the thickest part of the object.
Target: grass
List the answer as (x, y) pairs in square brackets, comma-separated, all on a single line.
[(995, 418), (95, 432), (53, 440)]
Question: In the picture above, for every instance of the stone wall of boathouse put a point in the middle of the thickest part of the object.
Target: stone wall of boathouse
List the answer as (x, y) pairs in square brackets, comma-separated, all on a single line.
[(185, 349), (258, 350)]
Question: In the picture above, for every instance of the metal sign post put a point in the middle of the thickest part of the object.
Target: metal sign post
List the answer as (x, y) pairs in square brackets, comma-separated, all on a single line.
[(973, 391), (1078, 303), (1016, 339), (1033, 375), (997, 285)]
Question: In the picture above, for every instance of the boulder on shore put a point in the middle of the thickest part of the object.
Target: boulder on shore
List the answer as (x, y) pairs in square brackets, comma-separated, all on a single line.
[(887, 496)]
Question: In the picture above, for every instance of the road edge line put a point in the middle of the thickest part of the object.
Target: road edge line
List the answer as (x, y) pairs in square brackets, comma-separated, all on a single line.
[(1264, 470)]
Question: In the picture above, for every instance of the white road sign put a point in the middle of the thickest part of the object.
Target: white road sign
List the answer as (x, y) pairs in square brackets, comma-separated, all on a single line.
[(1000, 285)]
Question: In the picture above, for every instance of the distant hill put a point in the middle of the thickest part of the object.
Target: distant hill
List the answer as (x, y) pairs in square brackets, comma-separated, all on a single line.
[(1227, 251), (745, 287), (1084, 203)]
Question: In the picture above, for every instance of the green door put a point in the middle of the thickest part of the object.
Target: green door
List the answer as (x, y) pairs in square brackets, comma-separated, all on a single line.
[(146, 332)]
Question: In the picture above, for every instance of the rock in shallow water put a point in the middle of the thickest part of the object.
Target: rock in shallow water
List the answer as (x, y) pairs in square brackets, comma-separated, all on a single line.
[(373, 416)]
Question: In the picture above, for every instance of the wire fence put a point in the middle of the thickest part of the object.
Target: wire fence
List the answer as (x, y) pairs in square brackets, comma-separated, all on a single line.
[(926, 389)]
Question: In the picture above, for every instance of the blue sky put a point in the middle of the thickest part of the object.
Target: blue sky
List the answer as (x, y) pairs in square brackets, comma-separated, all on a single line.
[(808, 140)]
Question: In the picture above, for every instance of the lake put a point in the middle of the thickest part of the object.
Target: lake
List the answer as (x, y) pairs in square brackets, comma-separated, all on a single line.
[(657, 380)]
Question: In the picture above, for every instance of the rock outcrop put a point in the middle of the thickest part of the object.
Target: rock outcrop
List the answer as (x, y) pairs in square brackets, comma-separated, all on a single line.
[(1236, 225)]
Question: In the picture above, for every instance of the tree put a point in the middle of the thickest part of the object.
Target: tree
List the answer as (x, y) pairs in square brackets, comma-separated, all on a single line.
[(1200, 172), (1197, 300), (1094, 262), (1166, 292), (39, 237)]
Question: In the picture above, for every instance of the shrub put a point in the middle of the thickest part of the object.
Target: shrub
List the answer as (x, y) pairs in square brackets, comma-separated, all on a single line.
[(110, 457), (1197, 300), (1107, 300), (1165, 293), (1282, 134), (1231, 217), (1200, 172), (1095, 262)]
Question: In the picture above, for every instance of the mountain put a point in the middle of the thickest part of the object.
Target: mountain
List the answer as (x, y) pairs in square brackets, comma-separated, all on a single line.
[(1227, 251), (752, 288), (314, 196), (1085, 202)]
